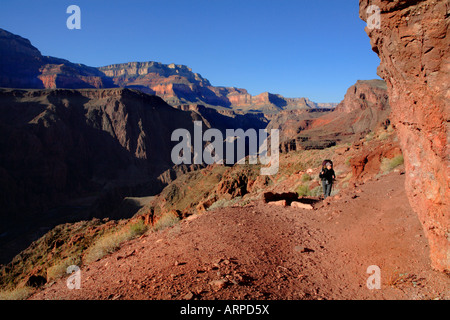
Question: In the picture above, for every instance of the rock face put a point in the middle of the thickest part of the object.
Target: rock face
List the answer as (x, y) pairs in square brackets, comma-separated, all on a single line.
[(413, 46), (364, 108), (365, 94), (14, 51)]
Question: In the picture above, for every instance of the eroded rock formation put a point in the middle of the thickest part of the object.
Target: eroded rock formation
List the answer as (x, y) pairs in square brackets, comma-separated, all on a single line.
[(413, 45), (364, 108)]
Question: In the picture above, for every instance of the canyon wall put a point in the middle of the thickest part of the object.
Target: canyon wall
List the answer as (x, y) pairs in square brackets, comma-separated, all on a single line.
[(364, 109), (413, 45)]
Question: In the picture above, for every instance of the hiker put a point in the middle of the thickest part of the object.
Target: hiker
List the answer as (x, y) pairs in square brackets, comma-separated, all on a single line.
[(327, 175)]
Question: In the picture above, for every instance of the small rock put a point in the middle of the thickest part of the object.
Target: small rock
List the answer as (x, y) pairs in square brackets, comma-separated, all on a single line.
[(188, 296), (218, 284), (281, 203), (300, 205)]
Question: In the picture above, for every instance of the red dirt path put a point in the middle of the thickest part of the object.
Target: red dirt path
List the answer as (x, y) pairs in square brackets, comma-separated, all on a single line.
[(268, 252)]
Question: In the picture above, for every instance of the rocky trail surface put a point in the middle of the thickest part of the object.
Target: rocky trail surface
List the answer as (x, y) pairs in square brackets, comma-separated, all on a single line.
[(263, 251)]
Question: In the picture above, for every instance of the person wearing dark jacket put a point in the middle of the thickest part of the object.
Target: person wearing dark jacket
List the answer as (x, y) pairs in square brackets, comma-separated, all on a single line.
[(327, 175)]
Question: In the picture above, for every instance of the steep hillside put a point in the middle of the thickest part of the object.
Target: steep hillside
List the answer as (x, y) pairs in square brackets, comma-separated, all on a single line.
[(203, 191), (60, 145), (268, 252)]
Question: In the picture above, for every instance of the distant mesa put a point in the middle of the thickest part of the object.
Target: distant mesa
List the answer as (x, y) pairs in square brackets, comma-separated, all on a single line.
[(23, 66)]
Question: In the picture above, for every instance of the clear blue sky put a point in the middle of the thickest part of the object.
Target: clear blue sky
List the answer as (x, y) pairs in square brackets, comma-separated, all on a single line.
[(297, 48)]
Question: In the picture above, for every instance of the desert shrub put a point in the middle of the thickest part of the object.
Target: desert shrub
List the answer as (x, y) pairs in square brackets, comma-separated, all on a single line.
[(383, 136), (316, 192), (21, 293), (388, 165), (303, 190), (306, 177), (370, 136), (390, 129), (218, 204), (137, 229), (166, 221), (59, 269), (110, 242), (223, 203)]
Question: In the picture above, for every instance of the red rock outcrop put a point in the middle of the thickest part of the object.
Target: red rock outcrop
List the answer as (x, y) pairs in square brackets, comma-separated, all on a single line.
[(364, 94), (23, 66), (364, 108), (413, 45), (178, 85)]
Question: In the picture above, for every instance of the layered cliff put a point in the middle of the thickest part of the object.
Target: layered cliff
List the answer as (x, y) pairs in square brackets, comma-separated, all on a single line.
[(23, 66), (364, 108), (413, 45), (178, 85)]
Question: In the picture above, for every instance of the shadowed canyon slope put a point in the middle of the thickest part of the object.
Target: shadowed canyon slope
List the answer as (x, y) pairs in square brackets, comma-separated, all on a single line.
[(58, 145), (413, 45)]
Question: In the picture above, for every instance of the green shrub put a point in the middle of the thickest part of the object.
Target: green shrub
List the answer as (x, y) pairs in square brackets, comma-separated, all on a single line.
[(306, 177), (137, 229), (110, 242), (303, 191), (223, 203), (166, 221), (59, 269), (383, 136), (16, 294), (316, 192), (370, 136), (388, 165)]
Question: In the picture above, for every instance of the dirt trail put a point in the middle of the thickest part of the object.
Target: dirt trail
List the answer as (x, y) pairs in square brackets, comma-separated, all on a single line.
[(267, 252)]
